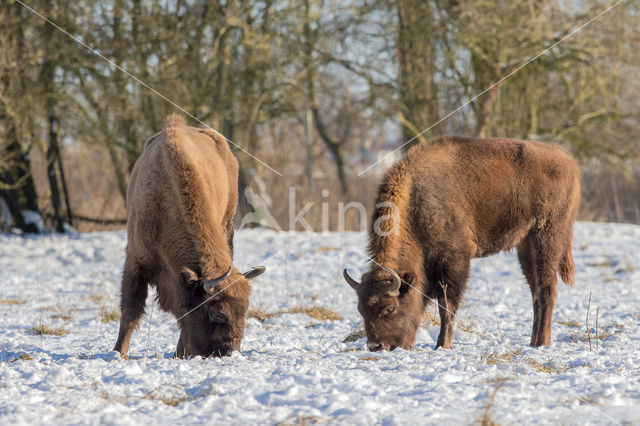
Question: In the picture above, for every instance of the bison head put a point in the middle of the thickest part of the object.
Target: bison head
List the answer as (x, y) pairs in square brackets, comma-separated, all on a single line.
[(391, 312), (214, 319)]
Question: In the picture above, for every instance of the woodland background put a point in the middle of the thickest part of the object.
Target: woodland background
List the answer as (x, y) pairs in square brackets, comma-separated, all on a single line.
[(316, 89)]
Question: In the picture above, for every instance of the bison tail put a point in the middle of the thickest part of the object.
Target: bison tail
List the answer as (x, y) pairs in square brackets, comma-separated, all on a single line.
[(173, 120), (567, 268)]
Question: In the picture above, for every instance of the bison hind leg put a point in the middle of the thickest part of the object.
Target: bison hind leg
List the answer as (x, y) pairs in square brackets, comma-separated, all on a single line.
[(540, 256), (527, 258), (132, 301)]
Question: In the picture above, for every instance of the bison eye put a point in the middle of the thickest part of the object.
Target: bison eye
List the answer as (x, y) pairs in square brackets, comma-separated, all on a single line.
[(218, 317), (388, 311)]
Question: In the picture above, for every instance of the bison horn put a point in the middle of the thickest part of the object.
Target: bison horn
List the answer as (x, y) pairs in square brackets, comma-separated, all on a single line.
[(256, 271), (394, 287), (353, 283), (209, 286)]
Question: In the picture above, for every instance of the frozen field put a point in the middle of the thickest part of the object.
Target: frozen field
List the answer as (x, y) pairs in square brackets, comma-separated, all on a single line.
[(294, 367)]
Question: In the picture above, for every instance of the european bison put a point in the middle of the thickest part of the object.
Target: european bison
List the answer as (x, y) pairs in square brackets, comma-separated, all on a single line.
[(181, 201), (453, 199)]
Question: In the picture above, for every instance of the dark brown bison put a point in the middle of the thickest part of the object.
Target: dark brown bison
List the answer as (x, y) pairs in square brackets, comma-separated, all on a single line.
[(453, 199), (180, 203)]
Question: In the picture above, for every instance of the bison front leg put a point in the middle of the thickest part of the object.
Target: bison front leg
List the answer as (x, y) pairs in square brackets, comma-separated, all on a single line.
[(132, 301), (450, 287), (181, 351), (447, 307)]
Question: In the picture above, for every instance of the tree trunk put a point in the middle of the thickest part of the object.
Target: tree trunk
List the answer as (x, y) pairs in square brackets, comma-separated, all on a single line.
[(417, 69), (16, 183), (335, 147), (51, 174), (18, 188), (65, 189), (117, 169), (484, 76), (11, 197)]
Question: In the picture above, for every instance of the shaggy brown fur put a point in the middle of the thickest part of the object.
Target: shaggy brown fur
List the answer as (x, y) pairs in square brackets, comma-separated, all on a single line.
[(181, 201), (453, 199)]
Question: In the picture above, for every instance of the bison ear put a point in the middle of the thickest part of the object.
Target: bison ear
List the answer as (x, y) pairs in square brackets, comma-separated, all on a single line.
[(217, 315), (408, 278), (256, 271), (189, 276)]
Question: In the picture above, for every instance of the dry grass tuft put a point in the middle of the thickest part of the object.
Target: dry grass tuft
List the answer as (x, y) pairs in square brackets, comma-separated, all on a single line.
[(486, 419), (17, 357), (259, 314), (108, 315), (610, 262), (323, 249), (349, 350), (63, 317), (466, 326), (317, 312), (63, 312), (369, 358), (96, 297), (431, 318), (603, 333), (304, 420), (41, 329), (355, 335), (12, 302), (158, 394), (544, 368), (171, 401), (572, 323), (499, 379), (494, 358), (602, 263)]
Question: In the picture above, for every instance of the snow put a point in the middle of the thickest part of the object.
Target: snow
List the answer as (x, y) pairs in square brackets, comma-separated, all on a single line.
[(293, 368)]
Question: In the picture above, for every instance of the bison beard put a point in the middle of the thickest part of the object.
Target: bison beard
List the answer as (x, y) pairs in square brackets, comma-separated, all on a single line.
[(455, 199), (180, 205)]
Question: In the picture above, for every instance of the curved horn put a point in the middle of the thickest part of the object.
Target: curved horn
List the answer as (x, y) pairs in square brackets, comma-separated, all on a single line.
[(353, 283), (210, 286), (256, 271), (394, 287)]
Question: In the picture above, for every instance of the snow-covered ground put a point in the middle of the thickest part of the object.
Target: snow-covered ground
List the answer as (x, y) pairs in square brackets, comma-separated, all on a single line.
[(294, 368)]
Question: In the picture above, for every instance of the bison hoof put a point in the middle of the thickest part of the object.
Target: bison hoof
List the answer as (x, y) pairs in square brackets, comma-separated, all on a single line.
[(443, 345)]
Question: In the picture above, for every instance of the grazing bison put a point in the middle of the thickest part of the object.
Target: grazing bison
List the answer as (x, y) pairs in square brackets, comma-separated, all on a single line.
[(181, 201), (453, 199)]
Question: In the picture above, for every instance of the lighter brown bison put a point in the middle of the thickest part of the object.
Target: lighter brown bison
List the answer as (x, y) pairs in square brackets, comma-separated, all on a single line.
[(453, 199), (180, 204)]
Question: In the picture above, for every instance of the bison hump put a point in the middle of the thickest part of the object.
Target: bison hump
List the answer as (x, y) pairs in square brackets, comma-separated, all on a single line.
[(173, 120)]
